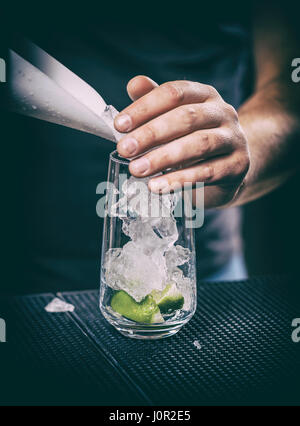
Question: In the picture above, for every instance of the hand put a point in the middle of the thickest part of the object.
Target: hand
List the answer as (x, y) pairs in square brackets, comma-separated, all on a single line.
[(193, 130)]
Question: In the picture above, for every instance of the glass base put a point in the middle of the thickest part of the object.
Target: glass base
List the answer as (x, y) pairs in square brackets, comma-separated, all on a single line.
[(147, 334), (145, 331)]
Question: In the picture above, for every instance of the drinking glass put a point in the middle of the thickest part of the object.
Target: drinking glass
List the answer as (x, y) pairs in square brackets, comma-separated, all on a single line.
[(148, 273)]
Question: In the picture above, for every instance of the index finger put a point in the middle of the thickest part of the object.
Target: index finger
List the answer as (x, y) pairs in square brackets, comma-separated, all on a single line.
[(160, 100)]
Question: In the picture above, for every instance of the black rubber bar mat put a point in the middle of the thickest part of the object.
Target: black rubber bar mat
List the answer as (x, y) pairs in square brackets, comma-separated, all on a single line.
[(47, 359), (237, 349)]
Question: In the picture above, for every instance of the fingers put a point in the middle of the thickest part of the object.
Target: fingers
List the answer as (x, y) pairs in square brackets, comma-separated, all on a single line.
[(225, 171), (169, 126), (197, 146), (160, 100), (140, 86)]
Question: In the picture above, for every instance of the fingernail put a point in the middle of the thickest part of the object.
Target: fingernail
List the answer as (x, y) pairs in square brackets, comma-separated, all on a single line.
[(158, 185), (123, 122), (128, 146), (140, 166)]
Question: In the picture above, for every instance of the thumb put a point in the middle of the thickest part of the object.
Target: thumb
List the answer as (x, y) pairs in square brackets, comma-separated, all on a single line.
[(140, 86)]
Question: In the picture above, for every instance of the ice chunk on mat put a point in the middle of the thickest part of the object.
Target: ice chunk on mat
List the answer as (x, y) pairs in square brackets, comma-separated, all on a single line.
[(197, 344), (58, 305)]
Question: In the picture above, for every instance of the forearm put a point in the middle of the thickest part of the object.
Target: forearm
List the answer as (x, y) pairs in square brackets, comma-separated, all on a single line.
[(270, 120)]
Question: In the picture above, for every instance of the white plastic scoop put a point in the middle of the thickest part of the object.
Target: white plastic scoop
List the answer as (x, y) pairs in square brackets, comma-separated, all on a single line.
[(43, 88)]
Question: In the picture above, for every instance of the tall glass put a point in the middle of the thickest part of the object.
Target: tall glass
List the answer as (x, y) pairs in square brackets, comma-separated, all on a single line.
[(148, 273)]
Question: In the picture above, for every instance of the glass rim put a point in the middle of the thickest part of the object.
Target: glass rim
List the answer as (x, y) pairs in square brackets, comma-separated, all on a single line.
[(115, 157)]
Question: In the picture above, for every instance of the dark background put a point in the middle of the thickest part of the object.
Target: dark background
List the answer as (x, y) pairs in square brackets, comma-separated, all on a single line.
[(272, 231), (271, 225)]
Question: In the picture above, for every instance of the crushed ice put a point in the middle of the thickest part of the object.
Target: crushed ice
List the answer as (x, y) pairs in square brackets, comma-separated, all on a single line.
[(150, 259)]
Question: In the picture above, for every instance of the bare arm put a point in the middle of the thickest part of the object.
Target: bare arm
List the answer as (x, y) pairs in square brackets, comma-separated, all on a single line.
[(271, 117)]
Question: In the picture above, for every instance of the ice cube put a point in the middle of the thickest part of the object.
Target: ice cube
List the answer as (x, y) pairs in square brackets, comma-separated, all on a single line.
[(150, 258), (58, 305), (197, 344)]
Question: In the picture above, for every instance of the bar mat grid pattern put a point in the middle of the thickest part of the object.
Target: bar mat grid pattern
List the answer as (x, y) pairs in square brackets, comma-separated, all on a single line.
[(237, 349), (246, 353), (48, 360)]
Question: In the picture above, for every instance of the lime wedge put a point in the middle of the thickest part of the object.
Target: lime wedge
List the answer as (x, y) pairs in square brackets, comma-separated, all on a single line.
[(168, 300), (146, 311)]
